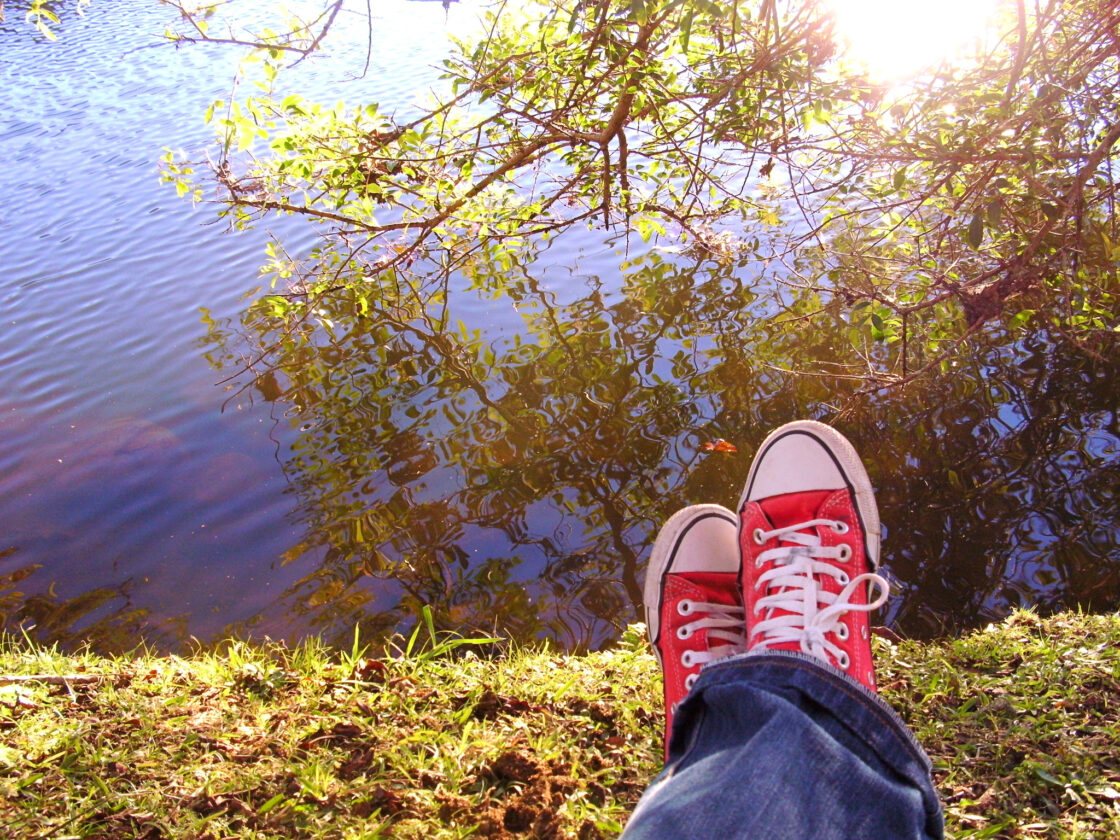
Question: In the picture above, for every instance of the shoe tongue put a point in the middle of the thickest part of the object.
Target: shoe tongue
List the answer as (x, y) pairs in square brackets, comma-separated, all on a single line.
[(716, 587), (793, 508)]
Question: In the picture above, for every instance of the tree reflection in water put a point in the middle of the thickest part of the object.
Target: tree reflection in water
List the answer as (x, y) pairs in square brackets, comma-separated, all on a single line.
[(515, 477)]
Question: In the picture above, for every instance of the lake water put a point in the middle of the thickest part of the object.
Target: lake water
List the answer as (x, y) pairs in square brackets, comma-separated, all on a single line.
[(144, 495)]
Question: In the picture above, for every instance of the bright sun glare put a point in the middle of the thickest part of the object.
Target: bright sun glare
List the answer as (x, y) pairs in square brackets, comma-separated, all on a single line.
[(898, 37)]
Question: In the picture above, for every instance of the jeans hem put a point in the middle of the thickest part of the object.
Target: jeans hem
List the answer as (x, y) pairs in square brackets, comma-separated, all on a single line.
[(729, 717), (830, 671)]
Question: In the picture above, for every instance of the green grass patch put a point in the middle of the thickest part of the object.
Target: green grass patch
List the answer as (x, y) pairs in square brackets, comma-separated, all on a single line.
[(256, 741), (1022, 721)]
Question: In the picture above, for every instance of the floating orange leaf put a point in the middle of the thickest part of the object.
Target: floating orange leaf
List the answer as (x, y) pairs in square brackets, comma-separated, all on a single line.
[(719, 445)]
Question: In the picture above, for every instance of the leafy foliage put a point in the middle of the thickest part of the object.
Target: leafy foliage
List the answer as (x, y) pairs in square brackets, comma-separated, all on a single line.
[(922, 210)]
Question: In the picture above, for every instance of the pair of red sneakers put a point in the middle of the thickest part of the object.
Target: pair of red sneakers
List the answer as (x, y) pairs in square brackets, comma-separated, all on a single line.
[(792, 570)]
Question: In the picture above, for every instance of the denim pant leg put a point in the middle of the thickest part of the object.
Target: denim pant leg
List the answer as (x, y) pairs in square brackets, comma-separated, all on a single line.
[(778, 745)]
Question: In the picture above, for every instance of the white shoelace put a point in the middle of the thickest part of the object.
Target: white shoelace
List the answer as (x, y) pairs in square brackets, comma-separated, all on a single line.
[(808, 613), (721, 621)]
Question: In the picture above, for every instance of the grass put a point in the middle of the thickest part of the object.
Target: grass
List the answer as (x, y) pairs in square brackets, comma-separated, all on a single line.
[(266, 741), (1022, 721)]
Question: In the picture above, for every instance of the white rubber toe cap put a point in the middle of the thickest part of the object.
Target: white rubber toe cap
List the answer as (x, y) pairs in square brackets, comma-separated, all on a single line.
[(806, 464)]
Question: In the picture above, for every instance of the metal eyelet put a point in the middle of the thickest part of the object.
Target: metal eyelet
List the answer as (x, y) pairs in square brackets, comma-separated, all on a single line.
[(843, 660), (690, 681), (758, 537), (684, 607), (845, 553), (840, 527), (863, 633), (686, 659), (684, 632), (843, 579), (842, 632)]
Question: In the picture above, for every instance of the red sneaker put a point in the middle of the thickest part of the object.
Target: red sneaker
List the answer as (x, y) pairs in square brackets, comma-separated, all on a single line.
[(809, 534), (694, 609)]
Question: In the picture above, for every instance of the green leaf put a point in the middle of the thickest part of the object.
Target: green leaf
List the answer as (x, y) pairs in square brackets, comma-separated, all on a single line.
[(976, 231), (995, 212), (1047, 777), (575, 16), (709, 8), (686, 29), (270, 804)]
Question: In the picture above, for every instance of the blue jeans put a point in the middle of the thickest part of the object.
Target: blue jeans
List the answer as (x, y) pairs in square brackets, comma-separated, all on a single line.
[(779, 746)]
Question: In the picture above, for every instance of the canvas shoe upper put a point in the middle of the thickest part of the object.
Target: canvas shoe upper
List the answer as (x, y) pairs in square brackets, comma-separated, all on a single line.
[(693, 606), (809, 536)]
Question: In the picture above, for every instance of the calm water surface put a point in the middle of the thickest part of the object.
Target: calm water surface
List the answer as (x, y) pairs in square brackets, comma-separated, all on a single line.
[(512, 474), (135, 500)]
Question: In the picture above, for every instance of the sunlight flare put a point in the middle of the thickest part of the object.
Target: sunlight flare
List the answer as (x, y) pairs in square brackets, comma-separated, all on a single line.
[(896, 38)]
